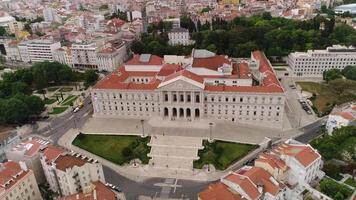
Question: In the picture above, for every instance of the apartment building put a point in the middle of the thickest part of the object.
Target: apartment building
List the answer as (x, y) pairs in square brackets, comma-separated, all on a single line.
[(109, 59), (212, 87), (10, 24), (12, 51), (8, 138), (97, 190), (314, 62), (179, 36), (84, 55), (63, 55), (18, 182), (72, 173), (281, 174), (28, 152), (38, 50)]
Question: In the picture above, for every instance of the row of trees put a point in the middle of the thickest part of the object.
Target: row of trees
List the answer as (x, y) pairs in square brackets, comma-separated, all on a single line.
[(349, 72), (276, 36)]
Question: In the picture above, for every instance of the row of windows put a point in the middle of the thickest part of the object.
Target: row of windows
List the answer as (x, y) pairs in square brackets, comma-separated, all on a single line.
[(245, 113), (325, 59)]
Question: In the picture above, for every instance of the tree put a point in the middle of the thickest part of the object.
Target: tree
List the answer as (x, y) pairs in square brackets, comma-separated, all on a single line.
[(14, 111), (20, 87), (35, 104), (349, 72), (331, 74), (90, 77)]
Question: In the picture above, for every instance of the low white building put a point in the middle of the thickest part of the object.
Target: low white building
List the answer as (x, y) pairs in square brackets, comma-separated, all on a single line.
[(338, 119), (69, 174), (112, 57), (18, 182), (314, 62), (179, 36), (84, 55), (12, 51)]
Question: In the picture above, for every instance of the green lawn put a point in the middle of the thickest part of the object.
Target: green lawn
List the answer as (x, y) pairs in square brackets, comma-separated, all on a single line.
[(222, 154), (58, 110), (49, 101), (111, 147), (351, 182), (70, 99), (326, 95)]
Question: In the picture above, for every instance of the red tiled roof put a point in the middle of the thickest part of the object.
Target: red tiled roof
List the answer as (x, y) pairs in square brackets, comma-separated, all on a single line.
[(272, 160), (243, 71), (219, 191), (154, 60), (169, 69), (345, 115), (102, 193), (212, 63), (64, 162), (245, 184), (186, 74), (258, 89), (303, 153), (52, 152), (8, 172)]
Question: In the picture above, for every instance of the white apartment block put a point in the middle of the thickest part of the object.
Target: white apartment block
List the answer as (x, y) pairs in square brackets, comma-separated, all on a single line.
[(50, 15), (338, 119), (211, 87), (63, 55), (109, 59), (70, 174), (84, 55), (17, 182), (10, 24), (12, 51), (281, 174), (314, 62), (179, 36), (38, 50), (28, 152)]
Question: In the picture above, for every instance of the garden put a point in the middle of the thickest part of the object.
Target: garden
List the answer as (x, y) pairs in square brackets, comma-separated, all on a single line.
[(334, 189), (118, 149), (222, 154)]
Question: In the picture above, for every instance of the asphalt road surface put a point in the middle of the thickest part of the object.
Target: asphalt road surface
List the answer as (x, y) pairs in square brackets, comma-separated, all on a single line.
[(155, 187)]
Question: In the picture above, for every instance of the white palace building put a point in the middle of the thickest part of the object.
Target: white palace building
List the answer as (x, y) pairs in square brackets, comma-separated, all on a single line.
[(204, 86)]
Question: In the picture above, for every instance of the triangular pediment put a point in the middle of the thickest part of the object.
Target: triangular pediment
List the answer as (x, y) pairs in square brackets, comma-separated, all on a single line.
[(181, 84)]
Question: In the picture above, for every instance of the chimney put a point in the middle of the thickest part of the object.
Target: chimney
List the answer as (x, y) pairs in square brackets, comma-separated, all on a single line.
[(23, 166)]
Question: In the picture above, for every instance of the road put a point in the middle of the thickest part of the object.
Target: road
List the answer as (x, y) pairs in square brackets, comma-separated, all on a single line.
[(311, 131), (155, 187)]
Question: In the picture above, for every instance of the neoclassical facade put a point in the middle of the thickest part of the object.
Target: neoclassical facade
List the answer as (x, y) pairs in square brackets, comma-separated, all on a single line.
[(206, 86)]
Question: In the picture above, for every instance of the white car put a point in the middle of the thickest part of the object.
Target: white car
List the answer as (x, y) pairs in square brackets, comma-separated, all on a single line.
[(76, 109)]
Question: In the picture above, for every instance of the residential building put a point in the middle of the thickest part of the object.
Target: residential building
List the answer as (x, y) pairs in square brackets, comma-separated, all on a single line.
[(28, 152), (63, 55), (280, 174), (347, 8), (314, 62), (70, 174), (211, 87), (84, 55), (9, 23), (112, 57), (38, 50), (8, 138), (50, 15), (12, 51), (338, 119), (18, 182), (97, 190), (179, 36)]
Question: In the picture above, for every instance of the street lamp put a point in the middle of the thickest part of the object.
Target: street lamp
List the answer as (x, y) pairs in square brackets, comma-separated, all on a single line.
[(210, 132), (143, 130)]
